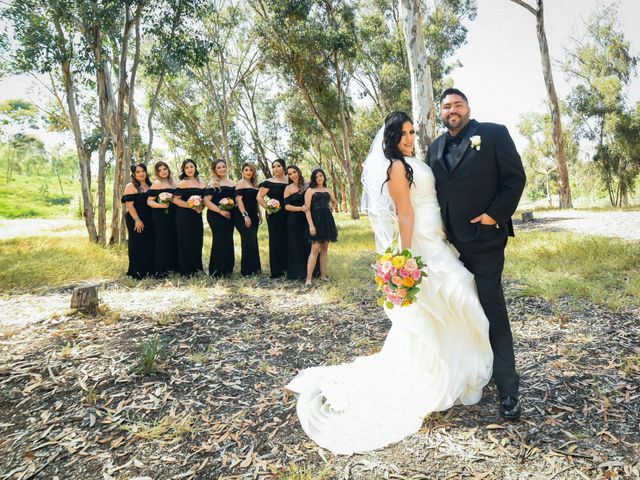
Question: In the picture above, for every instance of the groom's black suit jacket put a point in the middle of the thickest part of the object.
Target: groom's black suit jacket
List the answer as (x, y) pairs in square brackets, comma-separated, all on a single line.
[(489, 180)]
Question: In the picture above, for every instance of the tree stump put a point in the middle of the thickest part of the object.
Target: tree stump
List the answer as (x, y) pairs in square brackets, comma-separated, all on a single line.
[(527, 217), (85, 299)]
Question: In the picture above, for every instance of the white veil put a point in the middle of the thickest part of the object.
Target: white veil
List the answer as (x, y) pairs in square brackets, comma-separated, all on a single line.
[(376, 201)]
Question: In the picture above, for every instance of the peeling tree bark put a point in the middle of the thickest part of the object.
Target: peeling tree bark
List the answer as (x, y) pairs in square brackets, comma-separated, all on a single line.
[(424, 115)]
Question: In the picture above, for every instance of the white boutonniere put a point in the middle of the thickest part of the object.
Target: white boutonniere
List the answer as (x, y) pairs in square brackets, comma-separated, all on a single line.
[(476, 142)]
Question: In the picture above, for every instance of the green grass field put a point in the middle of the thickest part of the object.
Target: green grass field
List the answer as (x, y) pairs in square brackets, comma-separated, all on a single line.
[(37, 197), (549, 265)]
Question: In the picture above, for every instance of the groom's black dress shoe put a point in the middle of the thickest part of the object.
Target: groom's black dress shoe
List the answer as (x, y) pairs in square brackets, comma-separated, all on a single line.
[(510, 407)]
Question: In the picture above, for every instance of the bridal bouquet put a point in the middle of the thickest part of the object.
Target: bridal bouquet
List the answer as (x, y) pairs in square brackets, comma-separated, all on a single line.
[(165, 197), (272, 206), (194, 201), (226, 203), (398, 274)]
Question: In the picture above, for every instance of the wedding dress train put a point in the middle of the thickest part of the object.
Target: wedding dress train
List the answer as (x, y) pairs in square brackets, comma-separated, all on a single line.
[(436, 353)]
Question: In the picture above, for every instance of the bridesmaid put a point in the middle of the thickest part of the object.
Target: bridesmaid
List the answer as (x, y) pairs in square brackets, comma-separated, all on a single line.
[(139, 225), (189, 218), (322, 226), (247, 219), (277, 222), (164, 222), (297, 228), (221, 222)]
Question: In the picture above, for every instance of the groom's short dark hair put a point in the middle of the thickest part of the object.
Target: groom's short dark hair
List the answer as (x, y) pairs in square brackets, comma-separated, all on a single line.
[(453, 91)]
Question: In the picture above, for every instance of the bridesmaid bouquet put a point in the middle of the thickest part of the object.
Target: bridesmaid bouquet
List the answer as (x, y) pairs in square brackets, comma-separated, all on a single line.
[(194, 201), (226, 203), (272, 206), (165, 197), (398, 274)]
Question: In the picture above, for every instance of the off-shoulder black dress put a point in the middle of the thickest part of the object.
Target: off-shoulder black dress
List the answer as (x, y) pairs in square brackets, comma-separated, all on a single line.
[(190, 233), (322, 217), (140, 246), (298, 239), (165, 258), (222, 255), (277, 223), (250, 261)]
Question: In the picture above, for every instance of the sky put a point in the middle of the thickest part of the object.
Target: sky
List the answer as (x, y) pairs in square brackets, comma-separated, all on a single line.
[(501, 73)]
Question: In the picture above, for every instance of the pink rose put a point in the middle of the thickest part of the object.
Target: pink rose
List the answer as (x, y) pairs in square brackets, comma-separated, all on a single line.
[(404, 273), (397, 281), (387, 290), (416, 275), (386, 277), (395, 299), (411, 264), (401, 292)]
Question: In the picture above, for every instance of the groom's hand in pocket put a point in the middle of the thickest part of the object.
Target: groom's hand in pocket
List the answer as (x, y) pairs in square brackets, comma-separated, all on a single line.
[(484, 219)]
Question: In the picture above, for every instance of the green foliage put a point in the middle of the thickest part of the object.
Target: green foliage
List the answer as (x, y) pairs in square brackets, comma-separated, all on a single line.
[(152, 350), (602, 66)]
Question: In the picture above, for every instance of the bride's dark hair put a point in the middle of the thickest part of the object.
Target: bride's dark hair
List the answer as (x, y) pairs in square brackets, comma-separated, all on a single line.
[(390, 140)]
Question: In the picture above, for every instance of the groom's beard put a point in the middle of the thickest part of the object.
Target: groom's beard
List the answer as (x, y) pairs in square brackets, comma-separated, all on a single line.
[(459, 122)]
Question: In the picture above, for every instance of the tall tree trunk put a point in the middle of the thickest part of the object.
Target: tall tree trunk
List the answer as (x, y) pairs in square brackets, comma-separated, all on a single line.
[(558, 138), (121, 162), (83, 159), (152, 110), (353, 198), (102, 193), (131, 118), (424, 114)]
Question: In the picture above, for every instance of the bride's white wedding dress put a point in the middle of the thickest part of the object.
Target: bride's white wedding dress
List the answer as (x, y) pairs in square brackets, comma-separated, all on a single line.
[(437, 352)]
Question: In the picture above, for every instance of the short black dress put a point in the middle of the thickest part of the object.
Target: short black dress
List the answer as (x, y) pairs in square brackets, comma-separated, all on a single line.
[(190, 233), (140, 245), (298, 239), (322, 217), (222, 256), (165, 258), (277, 223), (250, 261)]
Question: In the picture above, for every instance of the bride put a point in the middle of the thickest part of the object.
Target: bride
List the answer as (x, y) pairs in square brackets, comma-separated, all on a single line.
[(437, 352)]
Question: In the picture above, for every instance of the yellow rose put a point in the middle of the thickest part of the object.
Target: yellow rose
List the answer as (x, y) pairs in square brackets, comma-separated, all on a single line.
[(408, 282), (406, 302), (379, 280), (386, 257), (399, 261)]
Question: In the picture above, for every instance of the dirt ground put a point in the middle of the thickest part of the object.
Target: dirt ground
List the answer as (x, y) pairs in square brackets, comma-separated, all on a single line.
[(77, 402)]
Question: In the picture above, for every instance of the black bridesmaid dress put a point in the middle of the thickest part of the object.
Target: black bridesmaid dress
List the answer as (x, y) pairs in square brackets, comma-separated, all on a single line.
[(322, 217), (190, 233), (140, 245), (165, 258), (277, 223), (298, 239), (250, 261), (222, 254)]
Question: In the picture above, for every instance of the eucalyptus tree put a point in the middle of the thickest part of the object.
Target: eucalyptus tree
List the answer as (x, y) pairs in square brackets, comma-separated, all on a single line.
[(560, 156), (311, 43), (47, 42), (601, 66)]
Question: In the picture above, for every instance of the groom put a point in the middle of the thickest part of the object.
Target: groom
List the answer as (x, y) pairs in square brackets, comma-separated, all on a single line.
[(479, 180)]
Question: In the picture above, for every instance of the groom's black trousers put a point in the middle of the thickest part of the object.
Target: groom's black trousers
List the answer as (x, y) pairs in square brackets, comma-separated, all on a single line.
[(484, 257)]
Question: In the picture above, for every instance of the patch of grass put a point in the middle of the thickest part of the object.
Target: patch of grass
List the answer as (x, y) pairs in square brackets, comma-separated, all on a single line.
[(552, 265), (66, 351), (36, 196), (301, 472), (152, 350), (169, 428), (31, 262), (198, 358)]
